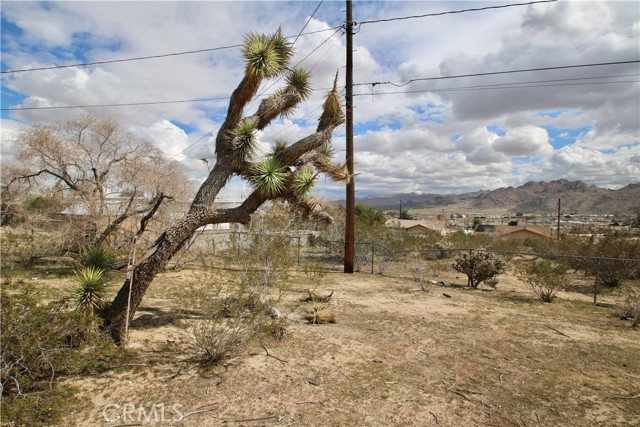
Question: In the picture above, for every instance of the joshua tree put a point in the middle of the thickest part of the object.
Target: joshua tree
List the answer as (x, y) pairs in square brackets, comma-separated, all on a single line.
[(288, 172)]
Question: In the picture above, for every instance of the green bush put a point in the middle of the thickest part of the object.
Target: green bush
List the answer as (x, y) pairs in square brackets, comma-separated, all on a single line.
[(40, 344), (544, 277), (479, 266)]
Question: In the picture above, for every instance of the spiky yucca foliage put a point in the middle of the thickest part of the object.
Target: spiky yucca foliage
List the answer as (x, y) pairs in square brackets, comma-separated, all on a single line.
[(337, 172), (326, 150), (266, 56), (299, 80), (268, 177), (243, 143), (279, 145), (303, 180), (98, 257), (282, 46), (285, 100), (90, 291), (332, 115)]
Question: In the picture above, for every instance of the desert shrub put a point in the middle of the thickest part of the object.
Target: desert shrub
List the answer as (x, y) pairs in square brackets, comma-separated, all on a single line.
[(472, 241), (221, 337), (315, 271), (479, 266), (98, 257), (437, 250), (616, 253), (418, 269), (40, 344), (234, 310), (544, 277), (630, 307), (266, 258), (17, 247), (228, 318), (362, 256)]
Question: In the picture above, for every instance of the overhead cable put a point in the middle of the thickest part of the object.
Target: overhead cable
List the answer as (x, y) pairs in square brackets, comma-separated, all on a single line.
[(307, 23), (495, 73), (451, 12), (142, 58), (496, 86), (127, 104)]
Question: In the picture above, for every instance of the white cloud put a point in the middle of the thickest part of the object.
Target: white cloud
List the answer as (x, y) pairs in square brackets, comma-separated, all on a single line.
[(524, 141), (9, 129), (422, 141)]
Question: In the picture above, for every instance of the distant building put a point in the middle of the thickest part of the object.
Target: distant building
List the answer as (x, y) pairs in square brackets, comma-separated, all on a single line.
[(516, 232), (418, 226)]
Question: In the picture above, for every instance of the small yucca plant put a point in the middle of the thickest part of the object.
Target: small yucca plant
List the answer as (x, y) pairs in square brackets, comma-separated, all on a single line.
[(97, 257), (90, 291)]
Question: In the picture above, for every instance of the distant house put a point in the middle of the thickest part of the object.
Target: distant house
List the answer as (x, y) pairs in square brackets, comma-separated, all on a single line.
[(516, 232), (418, 226)]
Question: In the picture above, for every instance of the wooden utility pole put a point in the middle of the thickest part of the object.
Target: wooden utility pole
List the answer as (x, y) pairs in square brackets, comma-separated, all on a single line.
[(349, 238), (558, 218)]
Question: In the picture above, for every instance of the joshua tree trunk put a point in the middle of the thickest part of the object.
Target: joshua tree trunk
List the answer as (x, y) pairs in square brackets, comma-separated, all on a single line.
[(288, 173)]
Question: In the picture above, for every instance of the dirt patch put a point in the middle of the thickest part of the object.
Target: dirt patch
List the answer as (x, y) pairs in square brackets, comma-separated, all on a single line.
[(397, 357)]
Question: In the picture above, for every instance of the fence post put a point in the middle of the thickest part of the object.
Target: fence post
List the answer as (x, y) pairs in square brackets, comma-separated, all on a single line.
[(373, 250), (595, 289)]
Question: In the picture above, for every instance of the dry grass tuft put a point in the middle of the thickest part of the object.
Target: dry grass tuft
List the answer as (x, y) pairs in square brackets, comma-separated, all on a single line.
[(278, 329), (320, 314)]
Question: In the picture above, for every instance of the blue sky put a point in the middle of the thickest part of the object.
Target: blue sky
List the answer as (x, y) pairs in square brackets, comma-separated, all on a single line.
[(430, 135)]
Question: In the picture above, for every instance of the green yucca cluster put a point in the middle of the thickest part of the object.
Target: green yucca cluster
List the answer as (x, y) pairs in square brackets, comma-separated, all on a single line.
[(243, 143), (268, 176), (88, 296), (266, 55), (303, 180)]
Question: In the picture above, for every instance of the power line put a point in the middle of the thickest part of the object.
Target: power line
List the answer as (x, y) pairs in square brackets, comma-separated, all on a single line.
[(325, 54), (142, 58), (319, 46), (307, 23), (522, 85), (127, 104), (451, 12), (495, 73), (130, 104)]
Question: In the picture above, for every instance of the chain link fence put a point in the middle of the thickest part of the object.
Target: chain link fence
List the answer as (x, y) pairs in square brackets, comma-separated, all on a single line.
[(377, 258)]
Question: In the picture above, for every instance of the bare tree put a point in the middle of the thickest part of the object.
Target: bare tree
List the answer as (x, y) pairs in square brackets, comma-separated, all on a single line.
[(288, 172), (111, 174)]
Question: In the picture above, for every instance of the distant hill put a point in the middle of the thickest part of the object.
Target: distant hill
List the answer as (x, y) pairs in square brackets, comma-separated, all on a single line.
[(532, 197)]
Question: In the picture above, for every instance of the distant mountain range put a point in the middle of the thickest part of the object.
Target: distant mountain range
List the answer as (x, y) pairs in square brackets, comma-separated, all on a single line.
[(532, 197)]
